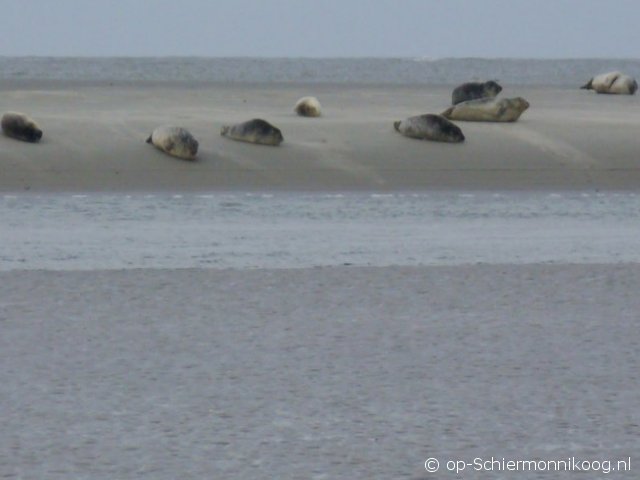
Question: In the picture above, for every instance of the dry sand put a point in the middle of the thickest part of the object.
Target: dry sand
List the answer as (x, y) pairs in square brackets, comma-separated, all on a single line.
[(94, 140)]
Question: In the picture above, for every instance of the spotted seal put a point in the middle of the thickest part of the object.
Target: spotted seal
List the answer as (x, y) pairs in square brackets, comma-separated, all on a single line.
[(488, 110), (430, 127), (475, 90), (253, 131), (174, 141)]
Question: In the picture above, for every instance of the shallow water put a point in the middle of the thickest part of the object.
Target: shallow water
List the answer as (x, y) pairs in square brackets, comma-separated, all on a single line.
[(94, 231)]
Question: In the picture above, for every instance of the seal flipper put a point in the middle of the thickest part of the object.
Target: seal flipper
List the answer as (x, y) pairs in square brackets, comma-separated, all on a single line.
[(396, 125), (613, 80), (587, 86), (149, 139)]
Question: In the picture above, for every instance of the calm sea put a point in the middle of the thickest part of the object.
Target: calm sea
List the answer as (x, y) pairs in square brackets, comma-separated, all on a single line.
[(393, 71)]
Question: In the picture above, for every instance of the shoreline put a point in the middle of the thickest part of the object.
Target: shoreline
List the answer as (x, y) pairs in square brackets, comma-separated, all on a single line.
[(94, 141), (320, 191)]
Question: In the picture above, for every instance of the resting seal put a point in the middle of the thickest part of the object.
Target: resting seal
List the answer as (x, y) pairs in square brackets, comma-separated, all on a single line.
[(612, 82), (175, 141), (430, 127), (488, 110), (254, 131), (308, 107), (474, 90), (19, 126)]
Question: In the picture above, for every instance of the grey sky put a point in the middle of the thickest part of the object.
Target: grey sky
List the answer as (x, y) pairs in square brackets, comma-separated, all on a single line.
[(323, 28)]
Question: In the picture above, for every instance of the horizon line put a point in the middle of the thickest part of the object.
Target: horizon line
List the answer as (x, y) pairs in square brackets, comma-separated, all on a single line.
[(249, 57)]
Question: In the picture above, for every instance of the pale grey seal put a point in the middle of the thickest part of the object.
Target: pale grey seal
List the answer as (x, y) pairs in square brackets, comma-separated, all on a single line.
[(430, 127), (175, 141), (308, 107), (19, 126), (475, 90), (254, 131), (488, 110), (612, 82)]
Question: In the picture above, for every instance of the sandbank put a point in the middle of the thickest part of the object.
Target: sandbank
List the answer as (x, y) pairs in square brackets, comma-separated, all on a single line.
[(94, 140)]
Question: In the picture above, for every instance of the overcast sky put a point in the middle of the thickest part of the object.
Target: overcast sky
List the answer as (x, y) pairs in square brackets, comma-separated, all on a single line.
[(322, 28)]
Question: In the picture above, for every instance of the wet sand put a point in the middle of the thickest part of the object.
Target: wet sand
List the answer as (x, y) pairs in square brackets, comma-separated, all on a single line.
[(316, 373), (94, 140)]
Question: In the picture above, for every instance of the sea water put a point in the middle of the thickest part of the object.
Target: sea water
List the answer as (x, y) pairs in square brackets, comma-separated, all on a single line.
[(386, 71), (289, 230)]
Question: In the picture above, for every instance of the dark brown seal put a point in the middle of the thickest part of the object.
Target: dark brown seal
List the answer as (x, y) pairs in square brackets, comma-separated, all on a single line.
[(19, 126)]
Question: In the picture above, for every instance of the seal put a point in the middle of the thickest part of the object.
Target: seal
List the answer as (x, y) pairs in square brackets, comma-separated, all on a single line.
[(612, 82), (174, 141), (475, 90), (308, 107), (19, 126), (253, 131), (430, 127), (488, 110)]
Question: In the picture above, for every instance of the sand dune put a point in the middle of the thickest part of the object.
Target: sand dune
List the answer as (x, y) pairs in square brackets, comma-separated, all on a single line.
[(94, 140)]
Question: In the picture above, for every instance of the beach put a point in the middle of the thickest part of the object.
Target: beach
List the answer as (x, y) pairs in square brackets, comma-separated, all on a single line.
[(94, 140)]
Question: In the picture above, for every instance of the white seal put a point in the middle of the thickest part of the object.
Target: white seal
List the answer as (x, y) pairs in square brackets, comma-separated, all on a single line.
[(612, 82), (308, 107)]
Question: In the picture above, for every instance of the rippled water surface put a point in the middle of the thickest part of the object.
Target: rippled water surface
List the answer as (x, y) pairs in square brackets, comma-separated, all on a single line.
[(86, 232), (396, 71)]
